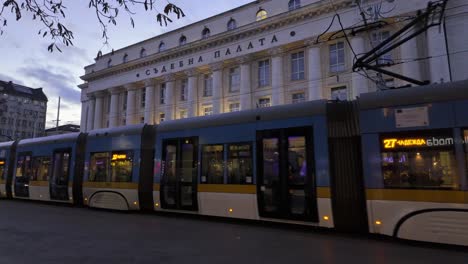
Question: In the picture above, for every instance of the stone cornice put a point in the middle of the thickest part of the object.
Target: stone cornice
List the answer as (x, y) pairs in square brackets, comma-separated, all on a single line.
[(221, 39)]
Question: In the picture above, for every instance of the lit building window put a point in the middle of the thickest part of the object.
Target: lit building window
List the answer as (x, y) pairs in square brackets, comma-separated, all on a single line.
[(162, 46), (234, 79), (208, 110), (162, 93), (206, 33), (142, 53), (339, 93), (297, 66), (162, 117), (182, 40), (232, 24), (183, 90), (298, 97), (294, 4), (142, 120), (376, 39), (208, 87), (264, 102), (261, 14), (337, 57), (234, 107), (183, 113), (263, 73)]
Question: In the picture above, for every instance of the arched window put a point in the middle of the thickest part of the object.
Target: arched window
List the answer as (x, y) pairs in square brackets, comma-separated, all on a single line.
[(294, 4), (261, 14), (109, 63), (232, 24), (125, 58), (142, 53), (182, 40), (162, 46), (205, 33)]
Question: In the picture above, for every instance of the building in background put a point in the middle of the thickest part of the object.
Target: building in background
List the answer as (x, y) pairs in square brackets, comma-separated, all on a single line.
[(22, 111), (64, 129), (267, 53)]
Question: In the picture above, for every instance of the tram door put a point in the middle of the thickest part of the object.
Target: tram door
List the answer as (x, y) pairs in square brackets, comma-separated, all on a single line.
[(179, 174), (23, 174), (286, 181), (58, 183)]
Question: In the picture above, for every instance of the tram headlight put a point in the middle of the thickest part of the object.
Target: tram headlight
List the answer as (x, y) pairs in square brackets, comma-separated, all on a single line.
[(230, 210), (326, 217), (378, 222)]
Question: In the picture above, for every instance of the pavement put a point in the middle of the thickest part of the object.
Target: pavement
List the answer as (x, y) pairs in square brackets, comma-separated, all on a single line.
[(42, 233)]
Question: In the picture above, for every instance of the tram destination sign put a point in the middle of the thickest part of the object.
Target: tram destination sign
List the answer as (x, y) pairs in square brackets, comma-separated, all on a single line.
[(416, 142)]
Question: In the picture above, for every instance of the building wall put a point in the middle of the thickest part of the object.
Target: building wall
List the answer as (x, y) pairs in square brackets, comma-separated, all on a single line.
[(274, 39)]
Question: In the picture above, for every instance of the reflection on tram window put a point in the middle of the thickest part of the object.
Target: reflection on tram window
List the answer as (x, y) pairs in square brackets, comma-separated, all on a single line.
[(271, 180), (239, 164), (419, 169), (297, 167), (170, 164), (121, 165), (2, 169), (41, 167), (99, 167), (465, 139), (212, 164), (23, 168), (61, 168)]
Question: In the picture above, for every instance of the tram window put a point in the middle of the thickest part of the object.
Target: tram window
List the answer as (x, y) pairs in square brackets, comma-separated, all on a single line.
[(99, 168), (61, 168), (41, 166), (23, 168), (2, 169), (239, 164), (121, 165), (212, 164), (297, 167)]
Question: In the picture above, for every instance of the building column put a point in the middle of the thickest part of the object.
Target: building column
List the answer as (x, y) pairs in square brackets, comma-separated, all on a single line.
[(192, 92), (149, 102), (131, 104), (437, 51), (277, 83), (98, 110), (409, 50), (84, 116), (169, 99), (314, 73), (90, 118), (245, 83), (359, 82), (217, 69), (114, 108)]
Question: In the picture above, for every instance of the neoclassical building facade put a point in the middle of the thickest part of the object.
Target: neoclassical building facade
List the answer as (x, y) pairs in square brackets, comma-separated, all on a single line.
[(262, 54)]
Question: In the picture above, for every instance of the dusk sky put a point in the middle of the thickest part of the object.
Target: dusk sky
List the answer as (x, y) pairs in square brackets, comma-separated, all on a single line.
[(25, 59)]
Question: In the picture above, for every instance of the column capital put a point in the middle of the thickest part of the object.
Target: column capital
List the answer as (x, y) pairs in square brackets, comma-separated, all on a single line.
[(275, 52), (216, 66), (244, 59), (192, 72), (149, 82), (115, 90), (169, 78), (311, 43), (130, 86)]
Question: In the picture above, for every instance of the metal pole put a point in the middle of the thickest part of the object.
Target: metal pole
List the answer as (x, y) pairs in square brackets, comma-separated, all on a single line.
[(58, 114)]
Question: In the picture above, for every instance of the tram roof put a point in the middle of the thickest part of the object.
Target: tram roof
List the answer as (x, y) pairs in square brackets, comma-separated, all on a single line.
[(117, 131), (6, 144), (48, 139), (451, 91), (312, 108)]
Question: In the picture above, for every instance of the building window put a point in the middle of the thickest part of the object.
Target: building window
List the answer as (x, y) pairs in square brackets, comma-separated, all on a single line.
[(142, 120), (297, 66), (207, 110), (125, 58), (182, 40), (294, 4), (206, 33), (142, 53), (162, 46), (143, 98), (376, 39), (162, 93), (183, 113), (234, 107), (109, 63), (264, 102), (339, 93), (298, 97), (234, 79), (125, 100), (337, 57), (162, 117), (263, 73), (183, 90), (261, 14), (232, 24), (208, 87)]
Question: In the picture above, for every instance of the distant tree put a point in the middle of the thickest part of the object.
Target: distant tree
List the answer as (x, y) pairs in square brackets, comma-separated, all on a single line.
[(52, 13)]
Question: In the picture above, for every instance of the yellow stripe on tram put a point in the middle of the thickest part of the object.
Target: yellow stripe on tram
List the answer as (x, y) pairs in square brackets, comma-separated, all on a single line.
[(228, 188), (39, 183), (111, 185), (323, 192), (434, 196)]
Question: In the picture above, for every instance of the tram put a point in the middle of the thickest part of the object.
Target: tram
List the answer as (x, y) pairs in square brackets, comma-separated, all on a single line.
[(392, 163)]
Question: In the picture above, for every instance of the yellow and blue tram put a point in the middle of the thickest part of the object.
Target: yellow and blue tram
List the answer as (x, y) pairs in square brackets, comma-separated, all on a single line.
[(391, 163)]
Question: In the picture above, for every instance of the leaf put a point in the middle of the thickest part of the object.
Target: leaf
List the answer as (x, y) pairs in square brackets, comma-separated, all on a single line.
[(50, 48), (58, 48), (5, 23), (132, 22), (45, 33)]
